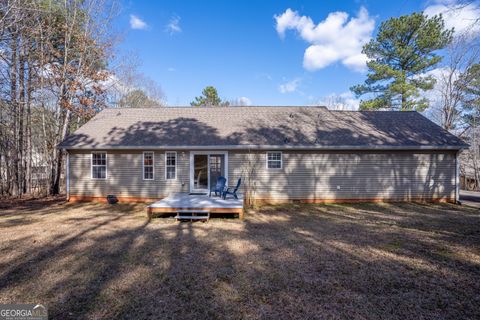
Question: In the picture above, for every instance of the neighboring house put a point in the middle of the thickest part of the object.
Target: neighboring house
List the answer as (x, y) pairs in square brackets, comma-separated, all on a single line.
[(305, 154), (468, 180)]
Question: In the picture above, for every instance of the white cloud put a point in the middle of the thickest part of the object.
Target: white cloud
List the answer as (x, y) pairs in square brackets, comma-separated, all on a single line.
[(290, 86), (173, 25), (244, 101), (342, 101), (241, 102), (137, 23), (171, 69), (436, 95), (337, 38), (463, 17), (115, 85), (350, 102), (442, 79)]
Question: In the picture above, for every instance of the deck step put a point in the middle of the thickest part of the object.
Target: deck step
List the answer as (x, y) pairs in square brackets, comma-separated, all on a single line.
[(193, 215)]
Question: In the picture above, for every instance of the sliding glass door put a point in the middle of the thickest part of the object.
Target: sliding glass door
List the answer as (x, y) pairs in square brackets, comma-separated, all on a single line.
[(205, 168), (200, 172), (217, 167)]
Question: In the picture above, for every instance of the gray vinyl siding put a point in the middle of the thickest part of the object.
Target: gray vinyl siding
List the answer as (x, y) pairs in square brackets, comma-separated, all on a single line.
[(344, 175), (304, 175), (125, 175)]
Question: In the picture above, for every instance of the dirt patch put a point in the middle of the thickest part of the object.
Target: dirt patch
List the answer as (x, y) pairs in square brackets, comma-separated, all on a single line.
[(363, 261)]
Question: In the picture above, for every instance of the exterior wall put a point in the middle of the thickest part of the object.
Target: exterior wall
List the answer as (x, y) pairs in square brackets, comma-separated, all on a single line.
[(309, 176), (348, 176), (125, 175)]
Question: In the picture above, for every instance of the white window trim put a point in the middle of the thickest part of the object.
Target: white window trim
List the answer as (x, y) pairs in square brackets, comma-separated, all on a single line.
[(106, 165), (281, 160), (176, 161), (153, 165)]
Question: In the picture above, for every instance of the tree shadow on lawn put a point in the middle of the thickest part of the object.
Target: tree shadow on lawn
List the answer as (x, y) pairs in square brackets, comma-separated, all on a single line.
[(117, 267), (23, 214), (31, 204), (294, 261), (446, 221), (381, 260)]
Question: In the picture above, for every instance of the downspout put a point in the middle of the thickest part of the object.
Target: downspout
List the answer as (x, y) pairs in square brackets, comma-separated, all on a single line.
[(67, 168), (457, 178)]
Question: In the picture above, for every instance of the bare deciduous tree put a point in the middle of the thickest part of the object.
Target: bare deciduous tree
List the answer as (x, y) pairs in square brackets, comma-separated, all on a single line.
[(447, 104), (53, 63)]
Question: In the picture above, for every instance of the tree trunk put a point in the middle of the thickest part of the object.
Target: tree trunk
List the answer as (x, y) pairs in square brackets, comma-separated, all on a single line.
[(2, 178), (28, 163), (21, 109), (55, 187), (14, 112)]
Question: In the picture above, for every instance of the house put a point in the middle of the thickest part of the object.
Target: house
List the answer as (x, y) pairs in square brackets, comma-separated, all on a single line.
[(468, 178), (307, 154)]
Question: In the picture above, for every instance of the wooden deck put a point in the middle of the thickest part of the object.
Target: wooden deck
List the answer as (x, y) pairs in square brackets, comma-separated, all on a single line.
[(184, 201)]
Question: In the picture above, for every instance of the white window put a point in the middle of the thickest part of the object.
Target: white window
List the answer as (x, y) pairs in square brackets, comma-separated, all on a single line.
[(274, 160), (148, 166), (99, 165), (170, 165)]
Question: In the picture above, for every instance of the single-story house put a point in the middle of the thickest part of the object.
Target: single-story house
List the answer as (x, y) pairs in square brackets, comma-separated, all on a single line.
[(468, 178), (307, 154)]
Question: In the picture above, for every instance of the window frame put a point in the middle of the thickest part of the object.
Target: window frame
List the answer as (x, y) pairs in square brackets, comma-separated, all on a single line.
[(167, 165), (267, 160), (96, 165), (153, 165)]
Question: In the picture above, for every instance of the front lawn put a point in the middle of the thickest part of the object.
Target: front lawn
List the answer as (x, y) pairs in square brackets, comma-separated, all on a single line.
[(363, 261)]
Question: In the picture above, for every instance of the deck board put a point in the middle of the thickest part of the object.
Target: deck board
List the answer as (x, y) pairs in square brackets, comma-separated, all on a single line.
[(185, 201)]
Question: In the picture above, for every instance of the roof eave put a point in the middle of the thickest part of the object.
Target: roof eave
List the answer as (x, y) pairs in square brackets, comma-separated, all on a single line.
[(267, 147)]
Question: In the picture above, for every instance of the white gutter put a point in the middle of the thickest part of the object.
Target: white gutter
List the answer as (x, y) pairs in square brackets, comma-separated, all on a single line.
[(266, 147), (68, 176)]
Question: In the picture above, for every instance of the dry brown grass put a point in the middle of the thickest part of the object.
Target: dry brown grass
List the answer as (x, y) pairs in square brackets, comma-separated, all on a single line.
[(363, 261)]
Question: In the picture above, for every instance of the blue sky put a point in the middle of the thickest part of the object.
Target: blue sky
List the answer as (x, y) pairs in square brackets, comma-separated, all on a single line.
[(259, 50)]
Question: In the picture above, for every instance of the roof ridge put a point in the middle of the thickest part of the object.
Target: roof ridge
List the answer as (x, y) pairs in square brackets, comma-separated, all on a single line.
[(210, 107), (258, 106)]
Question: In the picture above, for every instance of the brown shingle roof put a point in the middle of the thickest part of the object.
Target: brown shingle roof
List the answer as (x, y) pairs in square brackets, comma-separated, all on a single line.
[(262, 127)]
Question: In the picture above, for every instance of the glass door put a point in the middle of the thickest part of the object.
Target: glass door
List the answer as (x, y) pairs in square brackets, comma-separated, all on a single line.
[(200, 173), (205, 168), (217, 167)]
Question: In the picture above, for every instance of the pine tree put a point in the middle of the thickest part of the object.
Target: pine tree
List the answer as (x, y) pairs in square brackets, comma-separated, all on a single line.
[(209, 98), (403, 51)]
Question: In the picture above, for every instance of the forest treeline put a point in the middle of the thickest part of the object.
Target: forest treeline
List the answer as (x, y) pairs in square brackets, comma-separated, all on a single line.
[(56, 71)]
